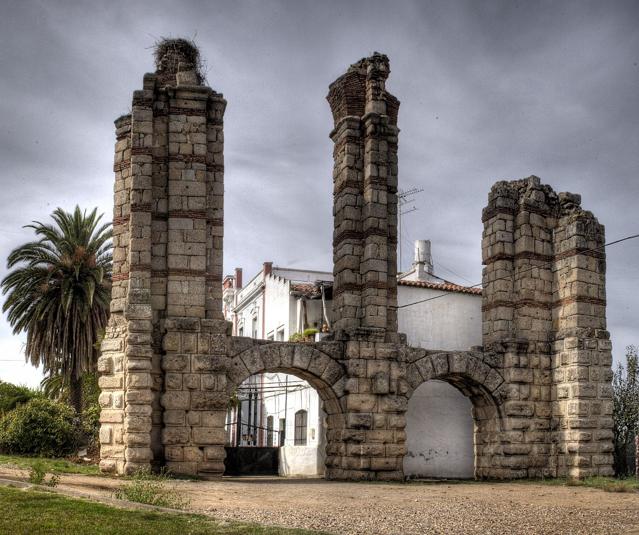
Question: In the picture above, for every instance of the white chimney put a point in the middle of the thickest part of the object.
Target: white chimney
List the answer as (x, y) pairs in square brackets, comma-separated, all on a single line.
[(423, 263)]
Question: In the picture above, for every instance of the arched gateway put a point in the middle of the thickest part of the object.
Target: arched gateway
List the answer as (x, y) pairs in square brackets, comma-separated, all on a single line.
[(539, 387)]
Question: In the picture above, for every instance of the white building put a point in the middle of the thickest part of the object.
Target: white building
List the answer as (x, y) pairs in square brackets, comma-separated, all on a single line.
[(435, 314), (279, 409)]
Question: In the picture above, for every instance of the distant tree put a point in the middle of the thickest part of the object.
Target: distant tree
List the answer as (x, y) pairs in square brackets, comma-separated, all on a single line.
[(59, 293), (13, 395), (625, 386)]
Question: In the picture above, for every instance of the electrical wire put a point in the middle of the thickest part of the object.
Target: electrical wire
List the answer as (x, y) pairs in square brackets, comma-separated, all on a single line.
[(275, 395), (530, 268)]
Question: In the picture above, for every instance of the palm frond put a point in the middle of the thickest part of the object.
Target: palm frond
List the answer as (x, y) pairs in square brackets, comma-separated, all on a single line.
[(59, 289)]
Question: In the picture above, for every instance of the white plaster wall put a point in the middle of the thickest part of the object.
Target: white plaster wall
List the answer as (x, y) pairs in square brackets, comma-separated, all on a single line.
[(251, 304), (439, 424), (297, 460), (439, 428), (451, 323), (300, 461), (276, 307), (314, 314)]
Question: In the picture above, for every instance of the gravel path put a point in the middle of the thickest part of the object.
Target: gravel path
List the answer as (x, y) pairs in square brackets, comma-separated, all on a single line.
[(389, 509)]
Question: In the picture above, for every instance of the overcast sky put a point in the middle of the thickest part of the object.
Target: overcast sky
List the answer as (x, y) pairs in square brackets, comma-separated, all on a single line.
[(489, 91)]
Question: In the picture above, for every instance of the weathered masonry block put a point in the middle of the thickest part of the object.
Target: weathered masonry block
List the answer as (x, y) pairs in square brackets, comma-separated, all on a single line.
[(539, 386)]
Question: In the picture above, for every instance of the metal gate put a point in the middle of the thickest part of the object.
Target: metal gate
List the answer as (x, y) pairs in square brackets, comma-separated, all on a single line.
[(251, 461)]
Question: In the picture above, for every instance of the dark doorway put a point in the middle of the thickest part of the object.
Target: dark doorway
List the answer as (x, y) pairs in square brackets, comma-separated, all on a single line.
[(251, 461)]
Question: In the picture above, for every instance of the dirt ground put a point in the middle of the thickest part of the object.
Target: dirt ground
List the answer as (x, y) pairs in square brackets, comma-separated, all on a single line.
[(380, 508)]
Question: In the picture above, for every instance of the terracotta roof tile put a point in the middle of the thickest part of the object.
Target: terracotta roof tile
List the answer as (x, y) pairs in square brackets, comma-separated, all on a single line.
[(307, 289), (444, 286)]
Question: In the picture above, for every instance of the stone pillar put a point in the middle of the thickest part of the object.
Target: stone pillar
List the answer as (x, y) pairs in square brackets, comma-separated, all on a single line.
[(168, 228), (159, 240), (498, 259), (347, 207), (370, 442), (111, 361), (214, 205), (365, 200), (544, 314), (582, 357), (130, 325)]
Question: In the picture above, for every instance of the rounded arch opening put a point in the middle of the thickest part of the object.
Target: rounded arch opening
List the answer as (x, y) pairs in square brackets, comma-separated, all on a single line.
[(453, 416), (284, 400), (439, 433)]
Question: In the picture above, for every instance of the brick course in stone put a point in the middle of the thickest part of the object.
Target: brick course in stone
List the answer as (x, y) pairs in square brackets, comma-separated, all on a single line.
[(540, 386)]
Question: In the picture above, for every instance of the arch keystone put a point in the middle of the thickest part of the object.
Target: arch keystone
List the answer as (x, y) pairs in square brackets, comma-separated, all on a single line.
[(253, 360), (440, 364)]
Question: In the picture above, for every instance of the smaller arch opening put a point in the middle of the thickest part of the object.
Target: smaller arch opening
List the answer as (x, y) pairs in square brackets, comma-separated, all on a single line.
[(438, 423), (277, 424), (439, 433), (451, 425)]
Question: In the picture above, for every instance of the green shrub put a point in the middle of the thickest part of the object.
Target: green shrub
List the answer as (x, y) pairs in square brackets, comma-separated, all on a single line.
[(13, 395), (38, 474), (55, 387), (307, 336), (152, 489), (39, 427)]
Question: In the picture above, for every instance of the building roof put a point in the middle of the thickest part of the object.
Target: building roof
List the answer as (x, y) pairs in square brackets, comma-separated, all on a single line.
[(444, 286), (312, 290)]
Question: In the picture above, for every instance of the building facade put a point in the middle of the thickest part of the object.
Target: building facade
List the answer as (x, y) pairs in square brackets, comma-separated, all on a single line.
[(279, 302)]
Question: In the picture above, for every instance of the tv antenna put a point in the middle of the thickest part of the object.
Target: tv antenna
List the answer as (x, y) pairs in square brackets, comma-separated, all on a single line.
[(404, 199)]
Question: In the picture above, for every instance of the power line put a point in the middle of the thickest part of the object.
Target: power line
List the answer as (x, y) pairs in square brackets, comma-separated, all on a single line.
[(266, 386), (530, 268), (272, 395)]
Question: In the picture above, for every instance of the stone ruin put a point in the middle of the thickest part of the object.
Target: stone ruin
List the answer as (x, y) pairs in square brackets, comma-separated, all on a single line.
[(540, 386)]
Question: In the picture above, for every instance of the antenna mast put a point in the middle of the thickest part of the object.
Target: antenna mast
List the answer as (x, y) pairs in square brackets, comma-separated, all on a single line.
[(404, 197)]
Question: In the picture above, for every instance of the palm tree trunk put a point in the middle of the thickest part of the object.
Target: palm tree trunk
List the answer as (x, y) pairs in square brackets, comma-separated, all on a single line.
[(75, 394)]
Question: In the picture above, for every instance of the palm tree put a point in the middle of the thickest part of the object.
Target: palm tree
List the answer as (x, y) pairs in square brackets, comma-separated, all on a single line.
[(59, 294)]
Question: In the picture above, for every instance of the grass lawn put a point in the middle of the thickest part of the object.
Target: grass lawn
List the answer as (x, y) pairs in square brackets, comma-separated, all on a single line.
[(31, 512), (54, 466), (608, 484)]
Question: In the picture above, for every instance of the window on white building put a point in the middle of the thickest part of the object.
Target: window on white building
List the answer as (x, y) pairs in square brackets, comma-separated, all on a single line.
[(254, 327), (280, 334), (282, 431), (301, 422), (269, 431)]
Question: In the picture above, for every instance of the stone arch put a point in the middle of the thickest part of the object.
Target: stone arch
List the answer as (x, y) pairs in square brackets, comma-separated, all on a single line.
[(319, 368), (480, 381)]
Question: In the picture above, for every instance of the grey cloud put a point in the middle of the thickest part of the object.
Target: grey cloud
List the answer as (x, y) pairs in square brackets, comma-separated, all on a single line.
[(489, 90)]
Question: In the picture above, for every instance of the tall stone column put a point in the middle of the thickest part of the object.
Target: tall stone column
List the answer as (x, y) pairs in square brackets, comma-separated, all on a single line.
[(111, 361), (544, 315), (168, 227), (372, 439), (365, 201), (347, 208), (582, 357), (498, 259)]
